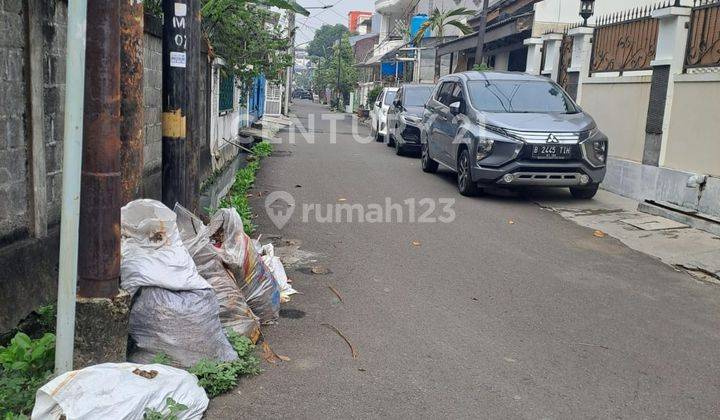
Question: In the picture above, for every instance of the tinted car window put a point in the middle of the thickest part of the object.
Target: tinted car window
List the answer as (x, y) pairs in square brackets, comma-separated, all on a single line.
[(445, 93), (456, 93), (416, 96), (389, 96), (519, 96)]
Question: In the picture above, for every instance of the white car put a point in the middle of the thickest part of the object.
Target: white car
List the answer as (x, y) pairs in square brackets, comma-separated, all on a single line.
[(378, 114)]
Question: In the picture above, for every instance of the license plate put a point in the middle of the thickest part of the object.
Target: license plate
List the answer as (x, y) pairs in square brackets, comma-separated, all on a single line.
[(551, 151)]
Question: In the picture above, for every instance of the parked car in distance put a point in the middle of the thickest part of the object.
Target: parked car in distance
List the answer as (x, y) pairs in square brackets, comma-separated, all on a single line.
[(511, 129), (378, 115), (302, 94), (405, 117)]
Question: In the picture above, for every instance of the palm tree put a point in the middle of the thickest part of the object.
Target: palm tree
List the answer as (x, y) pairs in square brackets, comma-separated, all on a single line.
[(438, 21)]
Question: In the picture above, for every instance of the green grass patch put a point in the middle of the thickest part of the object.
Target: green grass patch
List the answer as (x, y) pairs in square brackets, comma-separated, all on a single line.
[(244, 180)]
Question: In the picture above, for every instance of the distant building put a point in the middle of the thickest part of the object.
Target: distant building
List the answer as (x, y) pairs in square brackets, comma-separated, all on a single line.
[(354, 18)]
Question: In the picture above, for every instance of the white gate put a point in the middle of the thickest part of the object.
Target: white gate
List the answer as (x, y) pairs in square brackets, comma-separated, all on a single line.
[(273, 99)]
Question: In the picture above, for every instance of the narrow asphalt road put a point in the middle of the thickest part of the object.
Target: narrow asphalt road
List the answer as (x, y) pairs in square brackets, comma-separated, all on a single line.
[(485, 318)]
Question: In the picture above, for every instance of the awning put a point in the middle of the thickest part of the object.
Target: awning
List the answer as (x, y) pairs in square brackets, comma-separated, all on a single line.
[(384, 52), (505, 28)]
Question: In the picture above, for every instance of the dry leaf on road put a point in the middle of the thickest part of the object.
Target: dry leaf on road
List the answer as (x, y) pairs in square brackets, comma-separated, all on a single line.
[(416, 243), (599, 234)]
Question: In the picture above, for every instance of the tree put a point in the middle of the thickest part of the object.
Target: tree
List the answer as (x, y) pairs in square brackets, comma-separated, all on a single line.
[(337, 71), (438, 21), (325, 37)]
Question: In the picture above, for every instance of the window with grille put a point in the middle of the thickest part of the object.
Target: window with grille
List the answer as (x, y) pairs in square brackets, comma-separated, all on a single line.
[(227, 84)]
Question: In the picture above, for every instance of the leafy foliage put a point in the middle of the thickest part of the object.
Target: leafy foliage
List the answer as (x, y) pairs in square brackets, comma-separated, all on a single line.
[(439, 20), (244, 180), (338, 71), (25, 365), (322, 43), (373, 94), (481, 67), (219, 377), (170, 412), (162, 359)]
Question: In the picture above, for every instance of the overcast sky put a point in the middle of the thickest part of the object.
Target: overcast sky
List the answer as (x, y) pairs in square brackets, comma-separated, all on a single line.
[(318, 17)]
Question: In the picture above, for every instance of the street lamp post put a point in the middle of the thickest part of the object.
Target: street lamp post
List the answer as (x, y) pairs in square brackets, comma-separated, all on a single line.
[(587, 9)]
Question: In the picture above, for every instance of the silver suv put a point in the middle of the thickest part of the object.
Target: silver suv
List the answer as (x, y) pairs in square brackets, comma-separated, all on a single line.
[(511, 129)]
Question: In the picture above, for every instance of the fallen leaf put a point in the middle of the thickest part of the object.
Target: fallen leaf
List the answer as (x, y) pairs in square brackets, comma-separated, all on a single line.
[(334, 290), (341, 200), (416, 243), (511, 222), (353, 352), (318, 269), (361, 369), (270, 356), (147, 374), (599, 234)]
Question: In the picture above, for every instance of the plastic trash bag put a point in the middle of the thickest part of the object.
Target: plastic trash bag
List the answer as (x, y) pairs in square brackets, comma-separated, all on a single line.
[(152, 252), (239, 254), (184, 325), (234, 310), (278, 271), (174, 309), (113, 391)]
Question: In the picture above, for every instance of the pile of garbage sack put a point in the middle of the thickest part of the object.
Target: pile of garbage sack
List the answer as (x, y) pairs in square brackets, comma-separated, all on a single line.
[(190, 282)]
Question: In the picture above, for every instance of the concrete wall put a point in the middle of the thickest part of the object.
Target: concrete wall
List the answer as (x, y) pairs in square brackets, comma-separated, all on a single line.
[(28, 265), (13, 208), (152, 98), (694, 138), (609, 101)]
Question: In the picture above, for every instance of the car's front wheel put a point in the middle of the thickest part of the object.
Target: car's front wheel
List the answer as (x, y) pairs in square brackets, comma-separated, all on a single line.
[(584, 193), (466, 186), (427, 163)]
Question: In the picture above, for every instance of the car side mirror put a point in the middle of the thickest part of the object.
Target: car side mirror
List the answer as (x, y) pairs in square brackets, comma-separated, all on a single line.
[(456, 108), (378, 104), (397, 103)]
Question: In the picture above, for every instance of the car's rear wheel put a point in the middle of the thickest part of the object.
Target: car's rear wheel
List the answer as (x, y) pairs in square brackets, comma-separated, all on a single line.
[(427, 163), (466, 186), (390, 141), (376, 133), (584, 193)]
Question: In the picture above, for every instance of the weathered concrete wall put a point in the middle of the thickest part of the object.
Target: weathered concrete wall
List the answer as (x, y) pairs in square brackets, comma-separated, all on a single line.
[(152, 97), (13, 172), (694, 139), (619, 106)]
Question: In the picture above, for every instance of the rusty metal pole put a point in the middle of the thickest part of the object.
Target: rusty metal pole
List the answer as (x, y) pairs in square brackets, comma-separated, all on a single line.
[(99, 247), (131, 102), (174, 102)]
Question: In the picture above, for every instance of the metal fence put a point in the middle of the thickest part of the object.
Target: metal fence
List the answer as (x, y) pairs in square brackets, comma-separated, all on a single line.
[(625, 41), (703, 48)]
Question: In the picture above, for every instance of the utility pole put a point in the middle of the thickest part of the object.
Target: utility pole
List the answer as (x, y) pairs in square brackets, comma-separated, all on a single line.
[(289, 70), (99, 247), (131, 98), (71, 175), (479, 51), (175, 148)]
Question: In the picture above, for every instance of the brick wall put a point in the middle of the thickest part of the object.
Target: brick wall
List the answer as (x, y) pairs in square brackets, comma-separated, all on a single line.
[(13, 170)]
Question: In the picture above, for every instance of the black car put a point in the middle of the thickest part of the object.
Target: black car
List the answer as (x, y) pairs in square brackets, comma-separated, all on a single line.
[(302, 94), (511, 129), (405, 117)]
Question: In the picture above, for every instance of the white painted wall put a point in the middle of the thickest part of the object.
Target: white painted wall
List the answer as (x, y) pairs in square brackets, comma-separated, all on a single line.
[(567, 11), (225, 126)]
